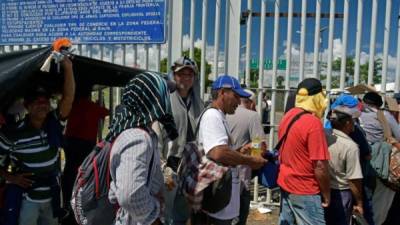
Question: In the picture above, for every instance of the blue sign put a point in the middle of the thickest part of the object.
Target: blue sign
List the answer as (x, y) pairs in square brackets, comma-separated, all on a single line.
[(83, 21)]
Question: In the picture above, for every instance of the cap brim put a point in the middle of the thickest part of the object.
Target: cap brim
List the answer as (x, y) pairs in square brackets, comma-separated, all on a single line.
[(179, 68), (242, 93)]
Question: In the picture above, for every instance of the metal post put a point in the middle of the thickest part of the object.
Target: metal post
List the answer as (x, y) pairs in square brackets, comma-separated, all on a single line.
[(216, 37), (111, 91), (158, 58), (146, 56), (344, 50), (100, 94), (372, 42), (203, 49), (192, 23), (261, 75), (234, 38), (397, 79), (227, 14), (317, 39), (274, 75), (135, 56), (79, 49), (248, 41), (288, 50), (303, 37), (177, 27), (386, 45), (2, 49), (358, 42), (170, 21), (330, 45)]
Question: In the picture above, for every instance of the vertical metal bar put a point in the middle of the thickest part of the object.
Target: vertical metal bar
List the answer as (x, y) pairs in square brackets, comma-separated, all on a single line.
[(288, 50), (135, 56), (248, 41), (79, 49), (330, 45), (169, 56), (2, 49), (100, 94), (192, 24), (111, 90), (397, 79), (274, 75), (146, 56), (158, 57), (317, 39), (344, 49), (177, 28), (386, 45), (216, 37), (372, 42), (227, 14), (358, 42), (303, 37), (261, 75), (203, 48), (234, 38)]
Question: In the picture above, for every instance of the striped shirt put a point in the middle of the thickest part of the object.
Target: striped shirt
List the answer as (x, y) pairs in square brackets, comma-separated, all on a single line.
[(5, 148), (129, 169), (36, 151)]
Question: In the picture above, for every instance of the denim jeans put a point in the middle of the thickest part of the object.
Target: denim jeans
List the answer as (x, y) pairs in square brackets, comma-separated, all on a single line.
[(33, 213), (301, 209)]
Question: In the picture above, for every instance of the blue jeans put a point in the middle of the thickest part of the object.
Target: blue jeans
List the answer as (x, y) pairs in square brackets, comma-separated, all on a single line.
[(301, 209), (33, 213)]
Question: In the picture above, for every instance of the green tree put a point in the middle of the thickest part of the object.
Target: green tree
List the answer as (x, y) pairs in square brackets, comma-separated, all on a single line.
[(197, 59), (350, 71)]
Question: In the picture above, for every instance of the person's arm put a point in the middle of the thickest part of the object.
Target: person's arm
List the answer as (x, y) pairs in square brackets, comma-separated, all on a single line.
[(356, 190), (65, 104), (131, 174), (321, 173), (223, 154)]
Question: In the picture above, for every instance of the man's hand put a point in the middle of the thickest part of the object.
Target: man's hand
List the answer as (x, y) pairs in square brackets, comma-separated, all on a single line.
[(326, 200), (257, 162), (358, 209), (170, 183), (21, 180), (245, 149)]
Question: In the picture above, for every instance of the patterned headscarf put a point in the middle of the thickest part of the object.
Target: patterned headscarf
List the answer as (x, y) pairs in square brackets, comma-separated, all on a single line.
[(145, 100)]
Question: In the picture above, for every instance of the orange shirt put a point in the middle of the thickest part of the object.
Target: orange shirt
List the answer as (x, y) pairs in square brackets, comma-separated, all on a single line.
[(305, 143)]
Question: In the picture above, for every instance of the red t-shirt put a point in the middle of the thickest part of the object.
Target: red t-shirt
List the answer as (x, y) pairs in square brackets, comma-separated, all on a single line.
[(305, 143), (83, 120)]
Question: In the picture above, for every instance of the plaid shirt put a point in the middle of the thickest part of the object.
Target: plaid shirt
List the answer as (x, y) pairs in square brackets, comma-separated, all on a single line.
[(197, 172)]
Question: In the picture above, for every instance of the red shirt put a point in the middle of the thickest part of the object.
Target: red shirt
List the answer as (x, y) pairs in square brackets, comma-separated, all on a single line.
[(305, 143), (83, 121)]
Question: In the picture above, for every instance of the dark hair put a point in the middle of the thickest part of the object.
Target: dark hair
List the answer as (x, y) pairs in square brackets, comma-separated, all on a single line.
[(340, 120), (214, 94)]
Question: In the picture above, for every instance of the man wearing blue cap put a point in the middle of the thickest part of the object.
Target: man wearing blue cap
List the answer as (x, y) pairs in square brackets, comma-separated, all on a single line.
[(214, 136)]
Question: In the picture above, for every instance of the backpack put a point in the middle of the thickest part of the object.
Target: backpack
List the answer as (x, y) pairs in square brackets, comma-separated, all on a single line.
[(89, 199), (206, 184)]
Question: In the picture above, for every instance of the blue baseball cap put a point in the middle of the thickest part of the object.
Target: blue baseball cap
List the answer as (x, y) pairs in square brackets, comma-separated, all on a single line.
[(226, 81)]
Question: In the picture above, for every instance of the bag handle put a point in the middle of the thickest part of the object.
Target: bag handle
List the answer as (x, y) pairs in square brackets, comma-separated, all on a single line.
[(283, 138)]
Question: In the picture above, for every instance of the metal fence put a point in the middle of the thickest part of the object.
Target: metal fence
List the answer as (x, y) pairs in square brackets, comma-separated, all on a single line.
[(236, 13)]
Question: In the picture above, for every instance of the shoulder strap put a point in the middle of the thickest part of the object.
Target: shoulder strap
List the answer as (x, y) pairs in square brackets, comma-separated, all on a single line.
[(283, 138), (150, 168), (200, 117)]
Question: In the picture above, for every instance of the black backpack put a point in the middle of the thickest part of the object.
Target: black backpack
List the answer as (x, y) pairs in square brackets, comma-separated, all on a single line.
[(89, 199)]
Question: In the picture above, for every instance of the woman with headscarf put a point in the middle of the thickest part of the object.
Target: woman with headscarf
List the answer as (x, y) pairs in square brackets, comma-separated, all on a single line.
[(135, 169)]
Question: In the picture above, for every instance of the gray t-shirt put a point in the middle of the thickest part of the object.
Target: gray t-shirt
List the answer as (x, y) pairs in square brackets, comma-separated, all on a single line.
[(244, 124)]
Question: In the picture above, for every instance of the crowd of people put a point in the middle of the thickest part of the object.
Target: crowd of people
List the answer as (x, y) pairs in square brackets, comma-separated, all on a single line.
[(330, 173)]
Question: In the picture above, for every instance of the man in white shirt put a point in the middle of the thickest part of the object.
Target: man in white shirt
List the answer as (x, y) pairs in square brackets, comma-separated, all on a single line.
[(214, 135)]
